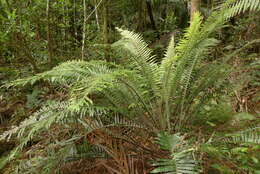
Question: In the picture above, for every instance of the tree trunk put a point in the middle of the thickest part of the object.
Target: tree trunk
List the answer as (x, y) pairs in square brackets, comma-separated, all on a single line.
[(141, 15), (96, 15), (194, 8), (105, 29), (150, 13), (74, 20), (49, 39), (84, 30)]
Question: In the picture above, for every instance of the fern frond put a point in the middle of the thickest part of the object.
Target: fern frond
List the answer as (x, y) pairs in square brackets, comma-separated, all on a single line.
[(170, 51), (170, 67), (177, 72), (53, 113), (104, 124), (65, 73), (181, 160), (142, 58), (251, 135), (51, 160), (227, 10), (42, 120), (241, 6), (135, 44)]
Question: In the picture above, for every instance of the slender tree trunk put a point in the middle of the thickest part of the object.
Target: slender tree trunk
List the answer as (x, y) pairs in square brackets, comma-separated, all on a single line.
[(38, 32), (49, 39), (141, 15), (84, 30), (96, 14), (194, 8), (74, 20), (150, 13), (105, 29), (64, 25), (105, 24), (67, 24)]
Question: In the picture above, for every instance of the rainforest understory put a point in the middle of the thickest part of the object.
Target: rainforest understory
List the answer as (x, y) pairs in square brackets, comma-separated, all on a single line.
[(130, 87)]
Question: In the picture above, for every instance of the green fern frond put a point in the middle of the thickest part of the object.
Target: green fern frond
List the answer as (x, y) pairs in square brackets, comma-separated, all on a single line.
[(51, 160), (170, 51), (181, 161), (104, 124), (251, 135), (66, 73), (241, 6), (142, 58), (173, 71), (53, 113), (227, 10), (169, 142), (42, 120), (135, 44), (177, 71)]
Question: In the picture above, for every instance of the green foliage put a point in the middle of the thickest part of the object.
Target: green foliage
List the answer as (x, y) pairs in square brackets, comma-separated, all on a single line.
[(154, 97), (241, 149), (33, 98), (181, 156), (248, 136)]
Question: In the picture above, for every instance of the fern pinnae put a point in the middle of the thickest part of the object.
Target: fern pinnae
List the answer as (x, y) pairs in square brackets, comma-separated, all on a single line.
[(202, 50), (116, 121), (132, 88), (241, 6), (166, 65), (251, 136), (171, 75), (181, 160), (143, 58)]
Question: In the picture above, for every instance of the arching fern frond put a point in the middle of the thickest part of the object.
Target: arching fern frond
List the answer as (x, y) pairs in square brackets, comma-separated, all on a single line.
[(142, 58), (227, 10), (106, 123), (51, 160), (65, 73), (181, 161), (170, 51), (248, 136), (241, 6), (42, 120), (59, 112)]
